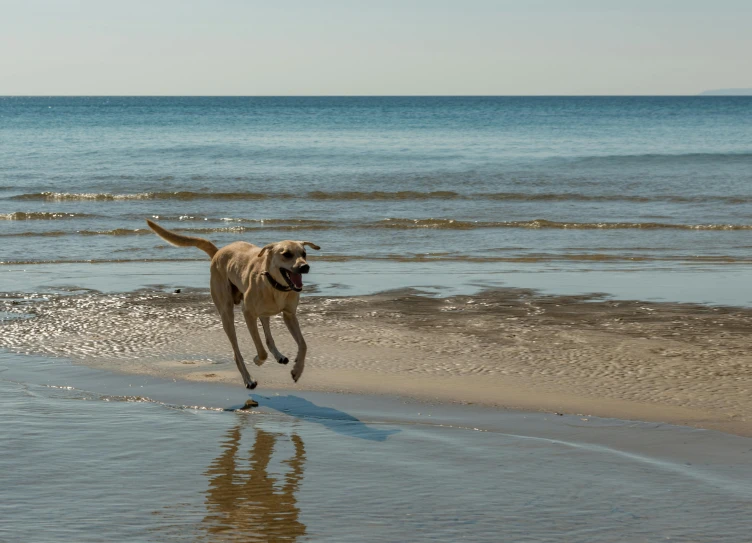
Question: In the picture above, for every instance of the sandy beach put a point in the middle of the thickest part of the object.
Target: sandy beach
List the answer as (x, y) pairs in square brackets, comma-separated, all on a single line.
[(513, 348)]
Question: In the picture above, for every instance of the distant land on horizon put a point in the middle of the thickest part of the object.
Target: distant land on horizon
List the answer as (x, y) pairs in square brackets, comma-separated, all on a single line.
[(727, 92)]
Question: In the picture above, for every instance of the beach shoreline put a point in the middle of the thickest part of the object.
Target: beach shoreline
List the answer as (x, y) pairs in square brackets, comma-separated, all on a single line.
[(683, 364)]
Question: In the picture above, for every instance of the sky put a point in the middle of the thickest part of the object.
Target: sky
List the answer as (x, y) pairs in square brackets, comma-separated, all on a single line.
[(373, 47)]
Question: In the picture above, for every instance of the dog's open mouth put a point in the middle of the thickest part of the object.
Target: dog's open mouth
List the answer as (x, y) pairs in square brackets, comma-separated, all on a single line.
[(294, 280)]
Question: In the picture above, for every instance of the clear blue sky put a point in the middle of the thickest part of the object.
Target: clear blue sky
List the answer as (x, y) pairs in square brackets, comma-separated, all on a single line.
[(373, 47)]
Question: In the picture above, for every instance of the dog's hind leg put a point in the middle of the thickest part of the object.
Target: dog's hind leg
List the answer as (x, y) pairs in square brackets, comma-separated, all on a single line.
[(279, 357), (250, 321), (294, 327), (222, 297)]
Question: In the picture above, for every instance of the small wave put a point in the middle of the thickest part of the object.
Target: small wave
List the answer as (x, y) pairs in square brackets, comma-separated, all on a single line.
[(239, 229), (382, 196), (97, 261), (240, 220), (109, 197), (60, 233), (190, 195), (452, 224), (67, 196), (542, 223), (116, 232), (271, 226), (93, 396), (48, 233), (218, 230), (579, 197), (395, 224), (658, 158), (561, 197), (443, 257), (42, 216), (536, 258)]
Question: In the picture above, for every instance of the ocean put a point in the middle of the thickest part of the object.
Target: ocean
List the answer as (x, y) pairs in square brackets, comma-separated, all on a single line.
[(444, 185)]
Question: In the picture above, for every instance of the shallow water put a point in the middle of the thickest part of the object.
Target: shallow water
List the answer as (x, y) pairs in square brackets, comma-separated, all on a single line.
[(704, 285), (92, 456)]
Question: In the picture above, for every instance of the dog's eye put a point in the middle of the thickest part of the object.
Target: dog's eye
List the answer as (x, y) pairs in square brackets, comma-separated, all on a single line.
[(286, 254), (304, 255)]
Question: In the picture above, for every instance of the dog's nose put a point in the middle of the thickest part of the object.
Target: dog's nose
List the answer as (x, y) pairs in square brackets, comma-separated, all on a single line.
[(304, 269)]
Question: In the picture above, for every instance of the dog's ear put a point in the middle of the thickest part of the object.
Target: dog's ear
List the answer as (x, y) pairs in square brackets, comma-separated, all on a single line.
[(266, 248), (310, 244)]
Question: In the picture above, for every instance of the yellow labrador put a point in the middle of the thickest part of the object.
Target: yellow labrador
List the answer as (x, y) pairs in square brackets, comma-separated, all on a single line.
[(266, 280)]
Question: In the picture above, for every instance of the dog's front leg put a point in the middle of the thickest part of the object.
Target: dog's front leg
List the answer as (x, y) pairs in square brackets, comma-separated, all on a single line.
[(294, 327), (278, 356), (250, 321)]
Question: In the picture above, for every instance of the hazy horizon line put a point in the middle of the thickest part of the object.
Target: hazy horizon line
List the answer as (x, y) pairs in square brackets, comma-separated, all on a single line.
[(701, 94)]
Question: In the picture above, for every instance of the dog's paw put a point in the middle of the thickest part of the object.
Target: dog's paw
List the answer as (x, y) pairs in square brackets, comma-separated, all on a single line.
[(296, 373), (258, 361), (283, 360), (251, 385)]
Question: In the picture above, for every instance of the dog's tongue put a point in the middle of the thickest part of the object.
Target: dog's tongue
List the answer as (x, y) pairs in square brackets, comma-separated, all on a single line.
[(297, 279)]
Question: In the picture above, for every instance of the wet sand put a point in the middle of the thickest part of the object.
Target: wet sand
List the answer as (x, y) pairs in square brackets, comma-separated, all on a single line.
[(665, 362), (92, 455)]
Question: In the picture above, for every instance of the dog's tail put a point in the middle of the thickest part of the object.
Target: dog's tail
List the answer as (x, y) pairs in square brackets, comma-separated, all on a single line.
[(183, 241)]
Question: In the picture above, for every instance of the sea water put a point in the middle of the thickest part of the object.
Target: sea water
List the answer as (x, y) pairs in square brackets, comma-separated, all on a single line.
[(492, 184)]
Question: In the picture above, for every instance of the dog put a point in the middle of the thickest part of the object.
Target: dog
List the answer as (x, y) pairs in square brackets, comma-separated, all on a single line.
[(265, 281)]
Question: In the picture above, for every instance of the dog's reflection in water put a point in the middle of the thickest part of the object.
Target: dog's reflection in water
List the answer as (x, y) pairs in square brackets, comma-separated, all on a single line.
[(247, 503)]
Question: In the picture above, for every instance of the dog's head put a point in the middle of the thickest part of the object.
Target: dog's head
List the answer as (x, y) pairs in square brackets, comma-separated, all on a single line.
[(286, 261)]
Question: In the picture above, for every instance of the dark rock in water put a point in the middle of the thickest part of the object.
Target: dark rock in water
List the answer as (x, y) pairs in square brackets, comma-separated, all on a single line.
[(247, 405), (176, 291)]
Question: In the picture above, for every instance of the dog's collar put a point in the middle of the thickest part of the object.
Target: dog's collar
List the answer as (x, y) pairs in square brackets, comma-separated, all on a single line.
[(276, 284)]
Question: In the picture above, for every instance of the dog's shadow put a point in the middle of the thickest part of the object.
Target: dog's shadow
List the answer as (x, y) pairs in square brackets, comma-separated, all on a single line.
[(333, 419)]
